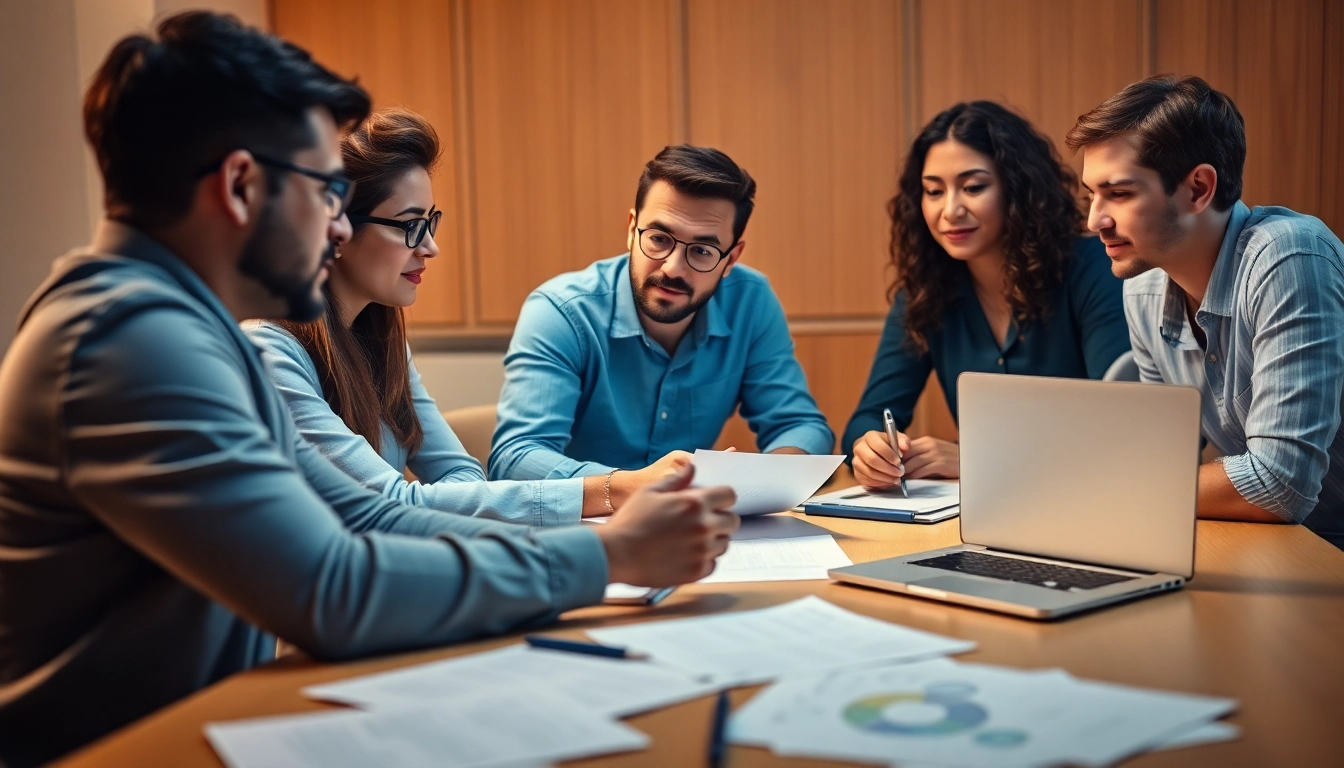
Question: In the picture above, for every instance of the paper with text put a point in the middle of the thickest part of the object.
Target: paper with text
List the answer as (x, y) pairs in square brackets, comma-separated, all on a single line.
[(806, 635), (613, 687), (797, 559), (509, 728)]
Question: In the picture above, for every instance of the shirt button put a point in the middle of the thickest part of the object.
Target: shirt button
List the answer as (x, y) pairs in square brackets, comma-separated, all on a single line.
[(1021, 337), (1213, 358), (1000, 361), (664, 414)]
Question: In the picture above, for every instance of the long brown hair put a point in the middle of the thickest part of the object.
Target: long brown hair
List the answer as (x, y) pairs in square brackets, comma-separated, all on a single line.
[(363, 369), (1040, 218)]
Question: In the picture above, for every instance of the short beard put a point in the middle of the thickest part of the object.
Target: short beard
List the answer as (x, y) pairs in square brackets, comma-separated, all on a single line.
[(1165, 234), (655, 311), (259, 260)]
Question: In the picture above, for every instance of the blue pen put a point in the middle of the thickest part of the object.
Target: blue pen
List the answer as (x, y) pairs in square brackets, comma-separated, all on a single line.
[(719, 731), (861, 513), (574, 646)]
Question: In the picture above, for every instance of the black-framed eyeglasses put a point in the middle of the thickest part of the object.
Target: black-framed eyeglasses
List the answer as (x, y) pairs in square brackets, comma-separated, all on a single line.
[(337, 190), (415, 229), (658, 245)]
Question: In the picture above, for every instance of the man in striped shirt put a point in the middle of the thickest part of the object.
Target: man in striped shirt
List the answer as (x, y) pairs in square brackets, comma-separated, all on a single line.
[(1245, 304)]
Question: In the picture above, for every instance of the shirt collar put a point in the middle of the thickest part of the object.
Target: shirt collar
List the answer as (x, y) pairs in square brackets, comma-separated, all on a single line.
[(1218, 297), (711, 320), (116, 238)]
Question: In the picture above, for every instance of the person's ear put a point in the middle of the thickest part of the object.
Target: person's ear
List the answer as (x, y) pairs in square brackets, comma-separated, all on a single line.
[(630, 232), (240, 187), (733, 255), (1201, 184)]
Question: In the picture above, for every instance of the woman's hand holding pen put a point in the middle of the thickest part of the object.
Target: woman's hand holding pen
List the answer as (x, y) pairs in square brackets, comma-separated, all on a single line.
[(877, 467)]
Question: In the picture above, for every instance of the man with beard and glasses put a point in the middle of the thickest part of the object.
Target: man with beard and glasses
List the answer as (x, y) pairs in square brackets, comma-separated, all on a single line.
[(1245, 304), (161, 521), (615, 372)]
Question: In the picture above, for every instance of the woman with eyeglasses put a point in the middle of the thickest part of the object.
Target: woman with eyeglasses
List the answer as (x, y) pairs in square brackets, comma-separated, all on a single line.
[(992, 275), (348, 377)]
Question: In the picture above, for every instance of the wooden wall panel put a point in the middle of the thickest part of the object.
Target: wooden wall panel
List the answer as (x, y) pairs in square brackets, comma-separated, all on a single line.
[(402, 52), (837, 368), (569, 100), (1271, 59), (1332, 120), (807, 97), (1051, 60)]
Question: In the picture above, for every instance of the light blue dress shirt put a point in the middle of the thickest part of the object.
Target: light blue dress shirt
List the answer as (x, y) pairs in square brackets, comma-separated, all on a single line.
[(161, 521), (1272, 370), (450, 479), (586, 390)]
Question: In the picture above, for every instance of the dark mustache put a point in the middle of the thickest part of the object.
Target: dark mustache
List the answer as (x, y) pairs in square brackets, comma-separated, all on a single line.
[(671, 283)]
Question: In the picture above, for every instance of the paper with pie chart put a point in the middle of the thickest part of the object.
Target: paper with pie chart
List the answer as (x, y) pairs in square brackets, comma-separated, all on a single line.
[(941, 712)]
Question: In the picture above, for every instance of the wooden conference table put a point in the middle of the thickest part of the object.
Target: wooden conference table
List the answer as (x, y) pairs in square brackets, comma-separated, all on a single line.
[(1262, 621)]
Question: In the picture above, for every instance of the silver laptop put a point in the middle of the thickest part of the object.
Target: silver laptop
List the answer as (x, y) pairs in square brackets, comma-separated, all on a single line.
[(1074, 494)]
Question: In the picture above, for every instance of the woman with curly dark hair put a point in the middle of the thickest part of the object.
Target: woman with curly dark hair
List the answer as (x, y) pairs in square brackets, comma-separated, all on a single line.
[(992, 274)]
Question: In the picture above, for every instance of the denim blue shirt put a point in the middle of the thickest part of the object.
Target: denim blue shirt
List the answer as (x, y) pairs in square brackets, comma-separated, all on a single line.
[(161, 522), (586, 390), (1081, 335), (1272, 369), (449, 478)]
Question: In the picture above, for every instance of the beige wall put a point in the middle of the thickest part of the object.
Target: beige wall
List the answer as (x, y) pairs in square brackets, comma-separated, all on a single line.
[(50, 193)]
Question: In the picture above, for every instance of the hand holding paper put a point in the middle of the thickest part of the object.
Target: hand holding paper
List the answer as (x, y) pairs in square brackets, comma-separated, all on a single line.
[(764, 482)]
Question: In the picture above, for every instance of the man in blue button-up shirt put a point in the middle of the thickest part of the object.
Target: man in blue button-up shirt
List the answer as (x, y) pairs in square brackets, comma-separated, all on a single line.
[(639, 358), (1245, 305)]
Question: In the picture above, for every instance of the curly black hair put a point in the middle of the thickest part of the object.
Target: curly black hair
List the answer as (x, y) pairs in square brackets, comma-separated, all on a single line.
[(1041, 217)]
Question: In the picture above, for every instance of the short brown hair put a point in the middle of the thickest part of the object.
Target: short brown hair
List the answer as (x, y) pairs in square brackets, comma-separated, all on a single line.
[(1179, 123), (701, 172)]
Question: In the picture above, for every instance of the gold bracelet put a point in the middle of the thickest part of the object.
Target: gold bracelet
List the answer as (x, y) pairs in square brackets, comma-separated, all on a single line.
[(606, 490)]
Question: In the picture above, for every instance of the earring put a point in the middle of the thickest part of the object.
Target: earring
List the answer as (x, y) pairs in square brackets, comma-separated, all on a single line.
[(338, 253)]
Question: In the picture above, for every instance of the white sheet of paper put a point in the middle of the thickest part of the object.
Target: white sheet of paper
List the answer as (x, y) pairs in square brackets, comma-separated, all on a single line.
[(764, 482), (610, 687), (508, 728), (925, 496), (984, 717), (806, 635), (799, 559)]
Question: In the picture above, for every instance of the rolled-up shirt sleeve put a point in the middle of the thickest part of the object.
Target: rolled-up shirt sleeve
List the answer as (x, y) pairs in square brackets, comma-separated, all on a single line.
[(163, 443), (1297, 306)]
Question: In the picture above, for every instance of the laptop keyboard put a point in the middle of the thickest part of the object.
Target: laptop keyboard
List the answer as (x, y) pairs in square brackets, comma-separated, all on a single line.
[(1023, 571)]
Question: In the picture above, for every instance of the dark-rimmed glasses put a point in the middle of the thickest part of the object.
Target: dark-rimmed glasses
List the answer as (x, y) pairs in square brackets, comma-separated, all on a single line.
[(415, 229), (337, 190), (658, 245)]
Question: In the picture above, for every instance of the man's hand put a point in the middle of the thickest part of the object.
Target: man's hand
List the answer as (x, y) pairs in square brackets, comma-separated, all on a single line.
[(876, 465), (933, 458), (626, 482), (669, 533)]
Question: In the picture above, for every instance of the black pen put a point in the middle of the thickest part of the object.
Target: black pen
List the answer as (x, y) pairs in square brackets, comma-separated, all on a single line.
[(574, 646), (719, 729)]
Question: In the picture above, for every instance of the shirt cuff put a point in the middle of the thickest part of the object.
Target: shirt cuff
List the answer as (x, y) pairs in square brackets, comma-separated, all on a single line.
[(817, 441), (578, 565), (1246, 477), (559, 502)]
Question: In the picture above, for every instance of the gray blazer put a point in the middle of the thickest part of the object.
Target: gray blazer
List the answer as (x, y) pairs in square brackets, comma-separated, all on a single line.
[(161, 521)]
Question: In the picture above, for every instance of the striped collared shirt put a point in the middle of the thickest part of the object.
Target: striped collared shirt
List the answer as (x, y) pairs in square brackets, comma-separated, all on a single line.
[(1272, 369)]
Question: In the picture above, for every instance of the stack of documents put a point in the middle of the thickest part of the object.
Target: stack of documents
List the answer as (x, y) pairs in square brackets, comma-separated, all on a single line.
[(509, 706), (939, 712), (513, 727), (804, 636), (785, 559)]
